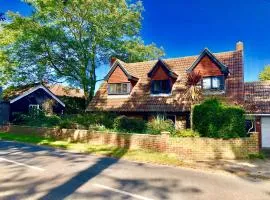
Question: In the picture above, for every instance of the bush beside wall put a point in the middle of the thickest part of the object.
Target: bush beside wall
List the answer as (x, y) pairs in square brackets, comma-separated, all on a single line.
[(215, 119)]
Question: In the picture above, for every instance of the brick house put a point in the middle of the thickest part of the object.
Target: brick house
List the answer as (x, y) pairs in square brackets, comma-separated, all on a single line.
[(257, 94), (145, 89)]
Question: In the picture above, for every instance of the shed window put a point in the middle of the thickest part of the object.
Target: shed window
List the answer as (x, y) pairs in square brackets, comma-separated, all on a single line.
[(213, 83), (161, 87), (118, 88)]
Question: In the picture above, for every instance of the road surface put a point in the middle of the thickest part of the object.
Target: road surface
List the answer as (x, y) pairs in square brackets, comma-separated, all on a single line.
[(32, 172)]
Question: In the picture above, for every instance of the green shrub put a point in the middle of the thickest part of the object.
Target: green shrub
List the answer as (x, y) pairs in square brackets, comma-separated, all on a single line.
[(125, 124), (160, 124), (37, 120), (74, 105), (256, 156), (186, 133), (67, 124), (89, 119), (215, 119)]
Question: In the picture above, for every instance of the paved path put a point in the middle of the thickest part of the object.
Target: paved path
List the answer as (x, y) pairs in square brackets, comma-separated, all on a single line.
[(31, 172)]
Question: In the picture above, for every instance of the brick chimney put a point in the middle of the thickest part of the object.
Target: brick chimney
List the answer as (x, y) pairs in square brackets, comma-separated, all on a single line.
[(113, 59), (239, 46)]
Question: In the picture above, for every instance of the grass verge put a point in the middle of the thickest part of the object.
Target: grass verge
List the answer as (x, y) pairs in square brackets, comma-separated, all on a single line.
[(105, 150)]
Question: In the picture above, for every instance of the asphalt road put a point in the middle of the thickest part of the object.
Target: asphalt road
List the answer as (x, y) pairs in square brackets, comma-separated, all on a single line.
[(31, 172)]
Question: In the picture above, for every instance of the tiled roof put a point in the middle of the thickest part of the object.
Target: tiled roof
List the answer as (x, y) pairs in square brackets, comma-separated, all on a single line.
[(57, 90), (140, 99), (257, 94), (60, 90)]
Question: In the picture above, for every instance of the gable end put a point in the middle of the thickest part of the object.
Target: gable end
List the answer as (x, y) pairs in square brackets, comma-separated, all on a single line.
[(118, 64), (224, 69), (165, 68)]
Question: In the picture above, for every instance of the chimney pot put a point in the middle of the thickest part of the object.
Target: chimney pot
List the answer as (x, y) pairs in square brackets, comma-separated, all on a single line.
[(239, 46), (113, 59)]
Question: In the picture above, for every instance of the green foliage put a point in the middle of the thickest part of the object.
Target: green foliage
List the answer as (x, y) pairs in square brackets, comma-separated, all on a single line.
[(160, 124), (126, 124), (265, 74), (89, 119), (256, 156), (68, 41), (74, 105), (186, 133), (215, 119), (68, 124), (37, 120)]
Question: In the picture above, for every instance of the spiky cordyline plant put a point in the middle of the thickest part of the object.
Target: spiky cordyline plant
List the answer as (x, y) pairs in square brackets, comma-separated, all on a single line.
[(193, 91)]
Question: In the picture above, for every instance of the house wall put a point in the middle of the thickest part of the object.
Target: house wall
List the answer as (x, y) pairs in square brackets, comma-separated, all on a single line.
[(206, 67), (258, 129), (38, 98), (160, 74), (4, 112), (118, 76)]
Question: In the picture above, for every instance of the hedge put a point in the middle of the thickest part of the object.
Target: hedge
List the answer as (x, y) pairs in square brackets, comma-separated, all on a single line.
[(215, 119), (126, 124)]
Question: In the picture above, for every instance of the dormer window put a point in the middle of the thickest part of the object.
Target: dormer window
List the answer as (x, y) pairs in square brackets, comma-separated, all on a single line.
[(213, 83), (161, 87), (118, 88)]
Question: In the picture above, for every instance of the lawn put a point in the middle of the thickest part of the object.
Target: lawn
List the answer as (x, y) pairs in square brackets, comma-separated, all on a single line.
[(105, 150)]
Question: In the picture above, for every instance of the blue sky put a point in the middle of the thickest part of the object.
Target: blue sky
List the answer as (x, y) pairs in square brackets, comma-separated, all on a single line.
[(185, 27)]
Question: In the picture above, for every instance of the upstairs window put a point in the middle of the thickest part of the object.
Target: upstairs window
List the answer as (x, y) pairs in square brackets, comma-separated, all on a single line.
[(161, 87), (119, 88), (213, 83)]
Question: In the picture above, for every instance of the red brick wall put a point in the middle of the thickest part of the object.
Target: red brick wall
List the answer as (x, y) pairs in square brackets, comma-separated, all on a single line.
[(185, 148), (160, 74), (206, 67), (259, 130), (118, 76)]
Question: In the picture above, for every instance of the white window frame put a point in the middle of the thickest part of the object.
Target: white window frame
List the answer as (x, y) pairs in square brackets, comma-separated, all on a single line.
[(211, 83), (121, 93)]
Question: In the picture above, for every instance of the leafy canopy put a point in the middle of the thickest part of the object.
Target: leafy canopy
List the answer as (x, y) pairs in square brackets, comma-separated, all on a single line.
[(265, 74), (66, 41)]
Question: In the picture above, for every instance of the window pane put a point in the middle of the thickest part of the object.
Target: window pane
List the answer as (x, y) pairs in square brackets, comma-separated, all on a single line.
[(164, 86), (118, 88), (215, 82), (207, 83), (124, 88), (112, 88), (160, 86), (156, 86)]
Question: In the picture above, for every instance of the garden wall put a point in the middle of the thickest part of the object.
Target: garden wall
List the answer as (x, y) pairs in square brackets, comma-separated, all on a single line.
[(185, 148)]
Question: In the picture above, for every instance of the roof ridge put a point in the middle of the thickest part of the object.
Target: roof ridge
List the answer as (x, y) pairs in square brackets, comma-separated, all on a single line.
[(256, 82), (175, 58)]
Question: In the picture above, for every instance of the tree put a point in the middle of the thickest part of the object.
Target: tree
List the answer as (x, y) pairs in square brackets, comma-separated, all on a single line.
[(65, 41), (193, 91), (265, 74)]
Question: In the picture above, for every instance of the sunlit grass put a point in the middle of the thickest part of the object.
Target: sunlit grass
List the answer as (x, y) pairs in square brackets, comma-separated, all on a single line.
[(105, 150)]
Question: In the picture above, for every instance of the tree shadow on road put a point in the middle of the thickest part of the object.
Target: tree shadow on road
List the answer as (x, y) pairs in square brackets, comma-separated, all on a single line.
[(70, 186)]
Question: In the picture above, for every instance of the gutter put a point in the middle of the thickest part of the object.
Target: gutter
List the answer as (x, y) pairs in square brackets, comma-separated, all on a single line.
[(259, 114)]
